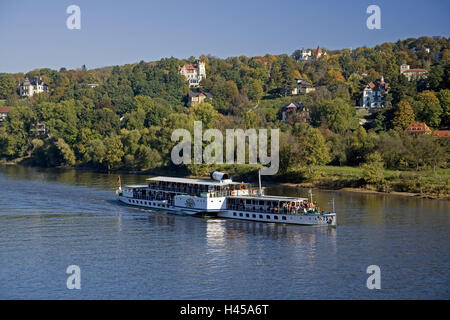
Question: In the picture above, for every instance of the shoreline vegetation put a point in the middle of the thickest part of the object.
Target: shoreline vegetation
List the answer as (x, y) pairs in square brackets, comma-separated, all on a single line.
[(425, 184)]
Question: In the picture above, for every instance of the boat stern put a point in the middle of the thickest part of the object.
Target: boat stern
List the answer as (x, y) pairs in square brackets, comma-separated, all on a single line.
[(330, 218)]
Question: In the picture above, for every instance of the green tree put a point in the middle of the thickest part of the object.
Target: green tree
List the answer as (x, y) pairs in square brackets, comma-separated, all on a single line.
[(427, 108), (444, 97), (255, 90), (95, 153), (338, 114), (403, 116), (147, 158), (373, 169), (310, 147), (205, 113), (114, 152), (66, 154), (8, 85), (18, 124)]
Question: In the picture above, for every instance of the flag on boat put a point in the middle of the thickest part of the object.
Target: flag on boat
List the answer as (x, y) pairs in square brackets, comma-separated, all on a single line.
[(118, 180)]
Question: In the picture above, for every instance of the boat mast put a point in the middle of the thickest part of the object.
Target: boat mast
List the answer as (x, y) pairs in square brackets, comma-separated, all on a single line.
[(259, 178)]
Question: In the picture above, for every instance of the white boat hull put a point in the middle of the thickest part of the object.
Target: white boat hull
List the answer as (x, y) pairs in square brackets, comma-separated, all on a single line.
[(325, 219)]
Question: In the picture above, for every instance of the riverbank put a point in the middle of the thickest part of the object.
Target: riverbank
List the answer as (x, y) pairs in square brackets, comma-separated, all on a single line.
[(422, 184)]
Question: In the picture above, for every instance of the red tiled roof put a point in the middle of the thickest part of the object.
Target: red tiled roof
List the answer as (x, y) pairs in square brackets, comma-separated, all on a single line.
[(418, 128), (441, 133), (378, 84), (189, 67), (5, 109)]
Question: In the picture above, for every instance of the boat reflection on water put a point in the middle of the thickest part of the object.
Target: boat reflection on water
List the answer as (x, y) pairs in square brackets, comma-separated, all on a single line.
[(221, 231), (224, 233)]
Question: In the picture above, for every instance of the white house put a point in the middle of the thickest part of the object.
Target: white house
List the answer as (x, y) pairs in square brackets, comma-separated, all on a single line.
[(305, 55), (193, 73), (32, 86), (413, 74), (374, 94), (303, 86)]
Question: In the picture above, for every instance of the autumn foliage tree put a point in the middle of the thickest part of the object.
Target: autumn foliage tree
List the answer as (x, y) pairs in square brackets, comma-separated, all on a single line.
[(403, 116)]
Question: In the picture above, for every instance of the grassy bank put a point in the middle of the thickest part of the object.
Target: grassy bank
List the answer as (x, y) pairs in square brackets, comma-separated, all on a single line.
[(425, 183)]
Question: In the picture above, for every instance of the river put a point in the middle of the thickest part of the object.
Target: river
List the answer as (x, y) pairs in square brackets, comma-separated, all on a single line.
[(53, 218)]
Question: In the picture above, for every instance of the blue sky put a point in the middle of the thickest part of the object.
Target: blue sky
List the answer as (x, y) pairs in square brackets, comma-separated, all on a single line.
[(33, 34)]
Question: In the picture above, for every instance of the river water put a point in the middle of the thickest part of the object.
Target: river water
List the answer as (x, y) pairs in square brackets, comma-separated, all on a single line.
[(53, 218)]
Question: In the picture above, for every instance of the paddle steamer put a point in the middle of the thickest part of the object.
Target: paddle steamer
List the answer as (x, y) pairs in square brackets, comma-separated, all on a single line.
[(223, 197)]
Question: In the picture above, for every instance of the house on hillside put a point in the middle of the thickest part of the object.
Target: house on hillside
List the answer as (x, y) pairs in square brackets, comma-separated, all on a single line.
[(418, 128), (413, 74), (319, 53), (4, 113), (32, 86), (39, 129), (196, 98), (194, 73), (295, 112), (305, 55), (441, 133), (374, 94), (303, 86)]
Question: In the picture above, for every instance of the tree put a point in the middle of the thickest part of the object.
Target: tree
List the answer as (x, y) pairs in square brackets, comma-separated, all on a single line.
[(255, 90), (17, 130), (427, 108), (403, 116), (66, 154), (297, 54), (288, 75), (205, 113), (114, 152), (8, 85), (372, 172), (338, 114), (95, 152), (147, 158), (310, 148), (444, 97), (53, 152), (436, 77)]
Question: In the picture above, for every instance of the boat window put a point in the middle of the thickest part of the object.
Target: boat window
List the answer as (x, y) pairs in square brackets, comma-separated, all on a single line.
[(275, 217), (247, 215), (268, 217), (253, 215), (284, 218), (260, 216), (240, 214), (234, 214)]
